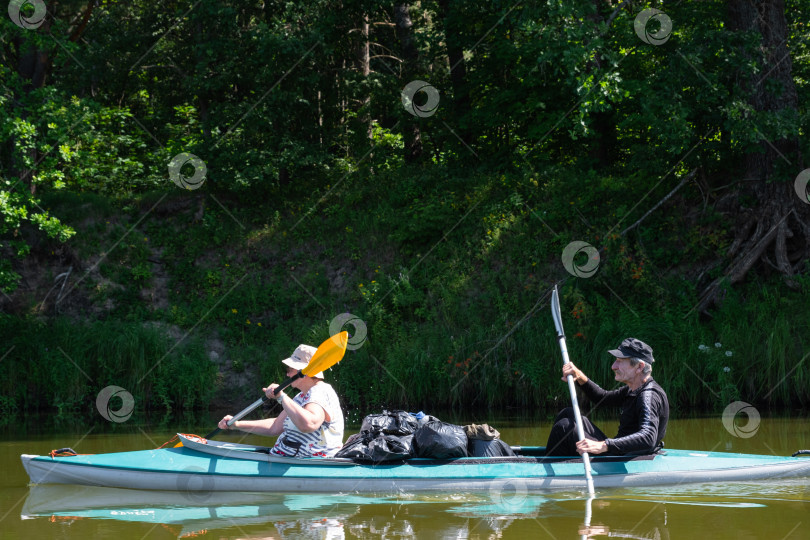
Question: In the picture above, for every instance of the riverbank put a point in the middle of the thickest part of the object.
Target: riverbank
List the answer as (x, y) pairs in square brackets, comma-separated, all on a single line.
[(187, 314)]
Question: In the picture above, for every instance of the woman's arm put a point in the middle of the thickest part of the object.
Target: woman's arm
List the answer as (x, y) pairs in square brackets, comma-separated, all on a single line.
[(307, 418), (270, 427)]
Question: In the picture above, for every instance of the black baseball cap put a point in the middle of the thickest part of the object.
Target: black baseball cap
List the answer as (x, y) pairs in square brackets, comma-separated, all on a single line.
[(634, 348)]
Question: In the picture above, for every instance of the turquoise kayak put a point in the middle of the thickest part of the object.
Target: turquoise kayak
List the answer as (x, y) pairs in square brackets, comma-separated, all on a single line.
[(206, 466)]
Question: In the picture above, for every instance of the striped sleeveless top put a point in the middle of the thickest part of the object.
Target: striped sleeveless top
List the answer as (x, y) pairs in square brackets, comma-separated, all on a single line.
[(324, 441)]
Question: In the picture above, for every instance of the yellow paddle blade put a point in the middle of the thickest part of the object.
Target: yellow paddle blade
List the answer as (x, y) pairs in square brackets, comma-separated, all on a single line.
[(328, 354)]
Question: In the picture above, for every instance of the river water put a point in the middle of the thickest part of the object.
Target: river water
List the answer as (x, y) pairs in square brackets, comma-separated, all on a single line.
[(765, 509)]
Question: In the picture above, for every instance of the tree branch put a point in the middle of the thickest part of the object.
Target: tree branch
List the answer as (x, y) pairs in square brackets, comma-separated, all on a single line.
[(85, 19), (613, 16), (385, 56), (662, 201)]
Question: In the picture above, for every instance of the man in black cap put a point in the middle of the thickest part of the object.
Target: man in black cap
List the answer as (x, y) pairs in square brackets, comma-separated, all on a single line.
[(644, 408)]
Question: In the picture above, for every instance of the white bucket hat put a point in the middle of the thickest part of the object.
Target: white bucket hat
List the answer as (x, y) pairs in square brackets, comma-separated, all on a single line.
[(300, 359)]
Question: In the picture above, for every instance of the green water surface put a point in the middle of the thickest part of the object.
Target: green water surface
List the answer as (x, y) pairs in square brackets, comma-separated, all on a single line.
[(763, 509)]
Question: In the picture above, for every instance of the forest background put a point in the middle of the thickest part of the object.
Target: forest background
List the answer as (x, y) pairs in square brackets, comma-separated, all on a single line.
[(188, 190)]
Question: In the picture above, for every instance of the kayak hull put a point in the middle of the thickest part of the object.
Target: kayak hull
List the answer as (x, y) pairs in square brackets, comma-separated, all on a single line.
[(199, 468)]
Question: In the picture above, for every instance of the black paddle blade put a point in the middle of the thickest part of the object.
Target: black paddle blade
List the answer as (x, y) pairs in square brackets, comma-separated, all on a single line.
[(213, 433), (556, 313)]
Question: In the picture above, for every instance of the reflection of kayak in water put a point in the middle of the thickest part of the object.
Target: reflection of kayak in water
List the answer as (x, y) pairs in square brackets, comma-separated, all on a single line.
[(48, 499), (623, 513), (316, 516), (216, 510), (55, 498), (176, 507), (216, 466)]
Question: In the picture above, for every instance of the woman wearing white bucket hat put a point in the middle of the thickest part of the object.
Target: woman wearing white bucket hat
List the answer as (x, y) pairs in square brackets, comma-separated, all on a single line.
[(311, 423)]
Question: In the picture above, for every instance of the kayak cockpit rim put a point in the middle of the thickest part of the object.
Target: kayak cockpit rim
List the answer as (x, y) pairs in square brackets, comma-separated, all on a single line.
[(260, 453)]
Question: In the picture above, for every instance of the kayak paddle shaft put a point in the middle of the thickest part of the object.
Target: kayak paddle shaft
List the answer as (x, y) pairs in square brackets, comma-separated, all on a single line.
[(557, 316), (250, 408)]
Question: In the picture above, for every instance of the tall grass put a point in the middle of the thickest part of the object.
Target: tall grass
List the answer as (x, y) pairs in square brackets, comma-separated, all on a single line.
[(62, 365), (450, 273), (755, 350)]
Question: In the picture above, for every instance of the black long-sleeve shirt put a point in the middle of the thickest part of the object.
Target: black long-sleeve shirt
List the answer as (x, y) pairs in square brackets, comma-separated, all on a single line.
[(644, 415)]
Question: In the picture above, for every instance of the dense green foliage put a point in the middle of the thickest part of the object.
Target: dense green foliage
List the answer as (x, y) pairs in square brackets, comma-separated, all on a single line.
[(52, 364), (318, 200)]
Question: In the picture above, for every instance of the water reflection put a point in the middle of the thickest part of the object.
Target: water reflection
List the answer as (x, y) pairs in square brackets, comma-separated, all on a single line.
[(637, 521), (345, 516), (641, 513), (766, 509), (299, 513)]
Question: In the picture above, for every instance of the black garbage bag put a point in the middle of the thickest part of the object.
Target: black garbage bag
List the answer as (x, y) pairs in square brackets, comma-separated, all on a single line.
[(439, 440), (390, 448), (356, 447), (387, 436), (493, 448), (366, 447), (390, 423)]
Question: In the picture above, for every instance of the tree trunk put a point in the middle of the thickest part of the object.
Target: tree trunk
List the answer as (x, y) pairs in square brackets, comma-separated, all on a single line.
[(363, 58), (777, 231), (202, 94), (410, 67), (767, 17), (458, 68), (603, 123)]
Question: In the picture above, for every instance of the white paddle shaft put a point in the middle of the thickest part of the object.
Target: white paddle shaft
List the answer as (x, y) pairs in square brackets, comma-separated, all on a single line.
[(557, 316), (246, 411), (586, 460), (249, 409)]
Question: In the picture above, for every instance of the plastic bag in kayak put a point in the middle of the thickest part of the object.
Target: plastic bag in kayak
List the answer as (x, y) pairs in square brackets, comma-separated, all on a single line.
[(366, 447), (439, 440), (390, 448), (390, 423), (493, 448), (356, 447)]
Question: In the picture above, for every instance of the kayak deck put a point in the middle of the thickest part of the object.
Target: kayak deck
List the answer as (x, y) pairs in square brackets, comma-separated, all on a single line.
[(218, 466)]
